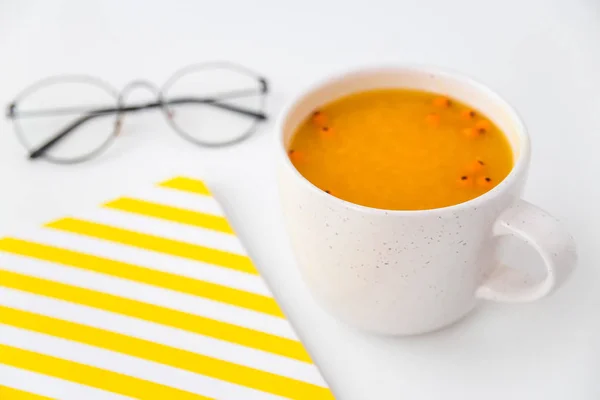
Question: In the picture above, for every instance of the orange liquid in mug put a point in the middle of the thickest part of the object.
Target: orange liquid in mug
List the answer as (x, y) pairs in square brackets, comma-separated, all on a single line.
[(400, 149)]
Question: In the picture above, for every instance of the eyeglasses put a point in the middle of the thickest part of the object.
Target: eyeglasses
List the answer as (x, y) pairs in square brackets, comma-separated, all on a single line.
[(70, 119)]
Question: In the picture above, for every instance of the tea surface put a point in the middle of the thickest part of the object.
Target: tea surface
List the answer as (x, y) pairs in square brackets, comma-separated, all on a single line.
[(401, 149)]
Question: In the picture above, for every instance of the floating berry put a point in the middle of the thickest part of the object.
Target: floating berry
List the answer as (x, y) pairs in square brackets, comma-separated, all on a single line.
[(485, 181), (319, 119), (471, 133), (326, 131), (296, 156), (468, 114), (483, 126), (465, 181), (441, 102)]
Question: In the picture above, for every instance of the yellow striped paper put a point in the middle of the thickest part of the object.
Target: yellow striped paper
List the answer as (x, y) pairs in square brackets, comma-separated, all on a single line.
[(15, 394), (150, 296)]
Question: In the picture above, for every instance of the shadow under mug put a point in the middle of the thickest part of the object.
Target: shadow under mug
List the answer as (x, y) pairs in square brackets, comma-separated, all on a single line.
[(410, 272)]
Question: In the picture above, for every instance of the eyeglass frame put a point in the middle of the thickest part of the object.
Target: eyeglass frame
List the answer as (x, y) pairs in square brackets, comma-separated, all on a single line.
[(121, 109)]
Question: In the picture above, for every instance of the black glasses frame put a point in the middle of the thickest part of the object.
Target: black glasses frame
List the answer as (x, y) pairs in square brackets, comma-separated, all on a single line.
[(217, 100)]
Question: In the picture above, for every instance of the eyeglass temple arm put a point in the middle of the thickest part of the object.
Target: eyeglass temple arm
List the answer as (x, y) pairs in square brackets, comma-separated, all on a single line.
[(213, 102), (40, 151)]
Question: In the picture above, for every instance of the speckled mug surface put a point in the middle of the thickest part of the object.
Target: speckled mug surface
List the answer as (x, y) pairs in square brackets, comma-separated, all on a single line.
[(410, 272)]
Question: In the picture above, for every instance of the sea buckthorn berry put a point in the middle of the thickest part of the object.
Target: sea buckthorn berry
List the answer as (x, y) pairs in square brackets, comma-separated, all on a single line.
[(485, 181), (326, 131), (319, 118), (468, 114), (471, 133), (296, 156), (432, 119), (441, 102), (483, 126), (465, 181), (475, 166)]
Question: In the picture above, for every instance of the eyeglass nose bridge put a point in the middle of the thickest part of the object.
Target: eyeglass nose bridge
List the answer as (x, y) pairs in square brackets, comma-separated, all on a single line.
[(129, 88), (140, 83)]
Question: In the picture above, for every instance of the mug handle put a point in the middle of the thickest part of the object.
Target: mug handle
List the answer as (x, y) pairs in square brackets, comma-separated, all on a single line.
[(545, 234)]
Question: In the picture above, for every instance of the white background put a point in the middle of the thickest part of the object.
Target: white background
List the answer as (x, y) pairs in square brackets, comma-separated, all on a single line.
[(542, 56)]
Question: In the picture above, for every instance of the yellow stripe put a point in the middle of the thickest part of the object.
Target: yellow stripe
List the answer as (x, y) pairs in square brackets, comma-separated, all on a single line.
[(182, 359), (91, 376), (187, 185), (161, 315), (156, 243), (7, 393), (195, 287), (169, 213)]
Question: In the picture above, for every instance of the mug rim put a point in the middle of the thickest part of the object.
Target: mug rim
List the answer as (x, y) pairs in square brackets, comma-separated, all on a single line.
[(518, 169)]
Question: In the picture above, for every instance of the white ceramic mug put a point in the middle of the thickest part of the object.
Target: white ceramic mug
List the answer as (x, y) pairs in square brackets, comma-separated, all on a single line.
[(409, 272)]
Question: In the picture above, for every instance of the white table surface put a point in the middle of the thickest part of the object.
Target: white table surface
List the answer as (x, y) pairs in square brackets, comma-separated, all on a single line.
[(543, 56)]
